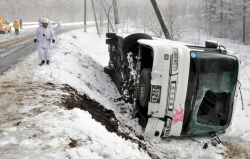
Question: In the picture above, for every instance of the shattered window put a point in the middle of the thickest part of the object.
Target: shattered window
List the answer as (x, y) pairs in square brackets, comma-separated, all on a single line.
[(215, 88)]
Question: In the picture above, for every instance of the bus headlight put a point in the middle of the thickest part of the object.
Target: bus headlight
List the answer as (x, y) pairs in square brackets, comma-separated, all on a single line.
[(171, 95), (175, 60)]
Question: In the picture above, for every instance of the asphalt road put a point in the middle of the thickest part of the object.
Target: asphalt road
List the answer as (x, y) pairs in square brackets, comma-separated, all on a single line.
[(12, 52)]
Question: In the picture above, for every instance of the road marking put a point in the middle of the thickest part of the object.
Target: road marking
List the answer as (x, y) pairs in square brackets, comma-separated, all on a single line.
[(16, 40)]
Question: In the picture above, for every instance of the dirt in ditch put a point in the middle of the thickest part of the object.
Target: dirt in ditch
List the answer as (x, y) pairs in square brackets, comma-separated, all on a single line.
[(100, 114)]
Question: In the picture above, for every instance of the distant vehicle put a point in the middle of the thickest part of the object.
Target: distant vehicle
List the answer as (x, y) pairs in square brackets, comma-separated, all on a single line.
[(175, 89), (4, 26)]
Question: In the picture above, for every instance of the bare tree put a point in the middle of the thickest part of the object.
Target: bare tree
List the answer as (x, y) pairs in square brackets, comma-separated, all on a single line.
[(106, 9), (174, 20), (18, 5), (159, 16), (149, 21)]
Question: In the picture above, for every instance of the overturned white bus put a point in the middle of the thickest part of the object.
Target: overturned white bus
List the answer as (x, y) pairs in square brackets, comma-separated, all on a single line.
[(176, 89)]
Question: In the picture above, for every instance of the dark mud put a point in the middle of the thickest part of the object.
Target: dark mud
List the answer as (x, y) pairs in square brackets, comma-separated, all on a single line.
[(100, 114)]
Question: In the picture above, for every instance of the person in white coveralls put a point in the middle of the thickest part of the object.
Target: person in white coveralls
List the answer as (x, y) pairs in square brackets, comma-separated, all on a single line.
[(43, 37), (59, 24)]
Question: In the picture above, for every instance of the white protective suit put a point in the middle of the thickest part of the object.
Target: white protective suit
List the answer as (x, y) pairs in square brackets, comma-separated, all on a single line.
[(44, 37), (59, 24)]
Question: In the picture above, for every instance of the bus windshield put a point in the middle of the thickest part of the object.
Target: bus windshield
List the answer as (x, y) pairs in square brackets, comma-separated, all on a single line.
[(214, 90)]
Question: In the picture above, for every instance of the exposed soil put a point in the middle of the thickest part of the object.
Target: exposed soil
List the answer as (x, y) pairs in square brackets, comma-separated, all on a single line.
[(236, 150), (100, 114)]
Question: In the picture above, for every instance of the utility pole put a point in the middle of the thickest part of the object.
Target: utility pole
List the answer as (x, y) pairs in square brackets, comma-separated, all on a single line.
[(159, 16), (127, 15), (109, 17), (221, 12), (85, 12), (116, 14), (210, 19), (101, 23), (221, 18), (96, 24), (244, 22), (72, 11)]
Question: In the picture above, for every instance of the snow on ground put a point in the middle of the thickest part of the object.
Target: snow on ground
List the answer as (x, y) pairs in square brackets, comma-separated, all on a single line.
[(34, 123)]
